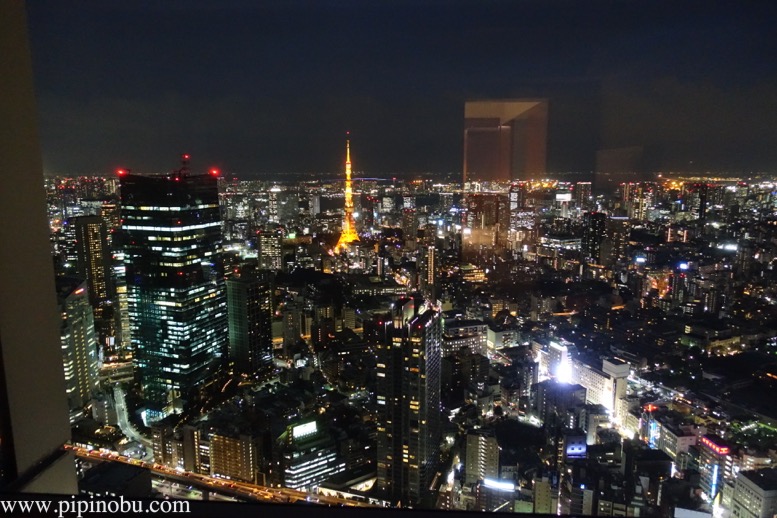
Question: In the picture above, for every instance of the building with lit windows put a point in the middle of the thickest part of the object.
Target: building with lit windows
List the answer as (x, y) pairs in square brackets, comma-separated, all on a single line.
[(492, 495), (93, 263), (270, 250), (307, 454), (716, 464), (522, 219), (583, 194), (638, 198), (516, 197), (458, 333), (613, 246), (272, 205), (487, 219), (545, 496), (482, 456), (559, 365), (755, 494), (555, 401), (249, 302), (171, 240), (79, 344), (594, 232), (427, 277), (605, 386), (234, 457), (408, 396)]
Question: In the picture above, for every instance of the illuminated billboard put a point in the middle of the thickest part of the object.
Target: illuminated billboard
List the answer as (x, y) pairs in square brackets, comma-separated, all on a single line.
[(304, 430)]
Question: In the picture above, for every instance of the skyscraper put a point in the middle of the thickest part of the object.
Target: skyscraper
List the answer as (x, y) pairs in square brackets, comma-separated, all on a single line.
[(618, 232), (349, 234), (594, 232), (409, 414), (94, 265), (583, 195), (505, 140), (637, 198), (79, 344), (427, 276), (171, 240), (271, 249), (249, 301)]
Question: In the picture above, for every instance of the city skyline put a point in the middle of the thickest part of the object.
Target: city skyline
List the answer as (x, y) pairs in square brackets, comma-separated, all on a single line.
[(693, 85), (498, 339)]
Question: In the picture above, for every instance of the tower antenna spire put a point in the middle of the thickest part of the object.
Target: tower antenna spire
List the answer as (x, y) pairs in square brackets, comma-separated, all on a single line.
[(349, 234)]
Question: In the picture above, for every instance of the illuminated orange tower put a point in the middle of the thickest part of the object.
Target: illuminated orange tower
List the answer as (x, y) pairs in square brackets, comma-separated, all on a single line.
[(349, 234)]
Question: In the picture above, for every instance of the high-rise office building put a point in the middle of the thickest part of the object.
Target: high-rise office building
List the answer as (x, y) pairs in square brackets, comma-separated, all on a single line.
[(271, 250), (94, 265), (618, 232), (409, 413), (517, 196), (171, 240), (79, 344), (249, 301), (522, 219), (594, 232), (695, 198), (123, 340), (505, 140), (66, 248), (272, 205), (410, 224), (93, 256), (583, 193), (430, 267), (33, 409), (637, 198)]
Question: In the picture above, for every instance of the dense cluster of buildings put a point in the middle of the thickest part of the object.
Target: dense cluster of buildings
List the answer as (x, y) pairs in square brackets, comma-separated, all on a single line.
[(522, 345)]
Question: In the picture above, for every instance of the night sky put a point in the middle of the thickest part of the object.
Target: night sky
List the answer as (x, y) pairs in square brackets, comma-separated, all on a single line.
[(267, 87)]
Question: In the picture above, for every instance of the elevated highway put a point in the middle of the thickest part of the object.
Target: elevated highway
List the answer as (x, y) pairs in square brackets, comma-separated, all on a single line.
[(242, 490)]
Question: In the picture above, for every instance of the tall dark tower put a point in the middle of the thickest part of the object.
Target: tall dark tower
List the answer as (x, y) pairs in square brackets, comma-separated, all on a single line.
[(249, 299), (409, 413), (594, 228), (171, 240)]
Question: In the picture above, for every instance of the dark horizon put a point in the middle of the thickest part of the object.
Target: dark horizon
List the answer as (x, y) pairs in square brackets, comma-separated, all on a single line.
[(273, 88)]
